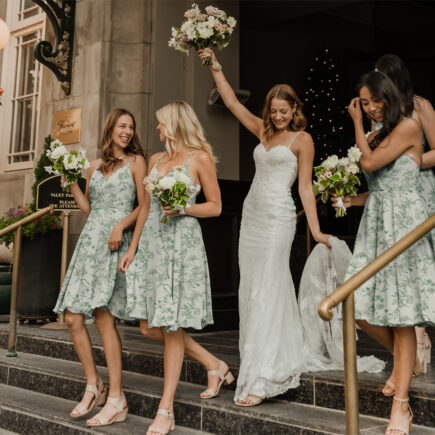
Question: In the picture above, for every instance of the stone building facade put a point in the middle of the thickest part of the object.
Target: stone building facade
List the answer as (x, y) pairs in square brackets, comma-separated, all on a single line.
[(120, 59)]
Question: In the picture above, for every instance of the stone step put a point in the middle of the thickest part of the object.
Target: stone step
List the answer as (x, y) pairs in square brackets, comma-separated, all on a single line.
[(65, 379), (320, 389), (34, 413)]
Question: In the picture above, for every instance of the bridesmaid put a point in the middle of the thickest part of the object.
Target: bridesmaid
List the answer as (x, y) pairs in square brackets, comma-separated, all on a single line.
[(168, 285), (420, 109), (93, 286), (402, 294)]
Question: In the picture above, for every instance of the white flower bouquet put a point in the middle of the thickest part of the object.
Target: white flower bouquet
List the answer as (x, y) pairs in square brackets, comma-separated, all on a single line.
[(338, 176), (199, 30), (173, 190), (67, 163)]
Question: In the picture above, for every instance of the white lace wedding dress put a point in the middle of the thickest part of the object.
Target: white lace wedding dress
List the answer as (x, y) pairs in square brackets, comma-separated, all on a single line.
[(271, 339)]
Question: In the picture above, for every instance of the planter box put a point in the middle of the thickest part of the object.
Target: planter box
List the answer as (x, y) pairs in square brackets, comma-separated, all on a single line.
[(39, 276)]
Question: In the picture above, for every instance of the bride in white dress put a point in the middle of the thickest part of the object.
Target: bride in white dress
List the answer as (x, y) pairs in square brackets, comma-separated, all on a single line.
[(271, 339)]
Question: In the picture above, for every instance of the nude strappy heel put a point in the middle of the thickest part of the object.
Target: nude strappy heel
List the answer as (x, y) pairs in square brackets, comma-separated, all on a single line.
[(99, 391), (120, 404), (392, 386), (406, 431), (169, 415), (226, 377)]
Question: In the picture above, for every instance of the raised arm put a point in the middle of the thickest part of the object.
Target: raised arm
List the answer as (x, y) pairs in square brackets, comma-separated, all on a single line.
[(405, 136), (304, 149), (83, 199), (253, 123), (426, 114)]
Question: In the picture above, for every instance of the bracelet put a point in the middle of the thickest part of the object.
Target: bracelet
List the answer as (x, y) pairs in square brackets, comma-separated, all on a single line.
[(183, 210), (216, 66)]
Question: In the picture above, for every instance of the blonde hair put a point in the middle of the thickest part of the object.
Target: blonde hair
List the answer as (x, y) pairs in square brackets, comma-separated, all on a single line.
[(182, 127), (108, 160), (286, 93)]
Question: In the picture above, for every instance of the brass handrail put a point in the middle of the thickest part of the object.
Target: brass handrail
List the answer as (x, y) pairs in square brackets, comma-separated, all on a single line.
[(18, 226), (345, 294)]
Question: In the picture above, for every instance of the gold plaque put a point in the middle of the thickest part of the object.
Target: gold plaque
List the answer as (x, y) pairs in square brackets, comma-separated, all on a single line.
[(66, 126)]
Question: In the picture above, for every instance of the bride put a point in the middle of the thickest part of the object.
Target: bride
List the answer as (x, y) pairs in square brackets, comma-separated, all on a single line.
[(271, 339)]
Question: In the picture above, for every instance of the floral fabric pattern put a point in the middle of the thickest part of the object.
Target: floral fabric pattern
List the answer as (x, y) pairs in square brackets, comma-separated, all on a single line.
[(93, 279), (403, 293), (168, 282)]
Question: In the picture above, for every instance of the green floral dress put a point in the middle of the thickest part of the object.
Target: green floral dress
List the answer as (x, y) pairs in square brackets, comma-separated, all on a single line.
[(168, 281), (93, 280), (427, 186), (403, 293)]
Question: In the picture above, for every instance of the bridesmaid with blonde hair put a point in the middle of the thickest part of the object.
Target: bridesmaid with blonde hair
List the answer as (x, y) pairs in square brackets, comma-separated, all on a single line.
[(168, 284)]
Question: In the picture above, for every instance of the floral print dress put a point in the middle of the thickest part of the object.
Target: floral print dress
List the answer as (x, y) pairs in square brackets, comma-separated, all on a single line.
[(168, 282), (403, 292), (93, 279)]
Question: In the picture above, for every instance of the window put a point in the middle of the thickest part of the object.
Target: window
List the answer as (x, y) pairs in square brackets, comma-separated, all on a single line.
[(21, 80)]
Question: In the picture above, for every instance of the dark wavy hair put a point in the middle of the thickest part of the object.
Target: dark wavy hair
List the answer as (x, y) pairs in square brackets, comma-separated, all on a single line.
[(134, 147), (287, 93), (394, 67), (383, 89)]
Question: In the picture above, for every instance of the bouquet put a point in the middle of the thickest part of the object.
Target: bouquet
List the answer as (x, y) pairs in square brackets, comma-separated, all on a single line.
[(338, 176), (173, 190), (200, 30), (67, 163)]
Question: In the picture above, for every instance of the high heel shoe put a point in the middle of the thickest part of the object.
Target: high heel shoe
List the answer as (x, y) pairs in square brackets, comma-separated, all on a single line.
[(99, 391), (423, 356), (406, 431), (250, 400), (170, 416), (120, 405), (225, 376), (392, 387)]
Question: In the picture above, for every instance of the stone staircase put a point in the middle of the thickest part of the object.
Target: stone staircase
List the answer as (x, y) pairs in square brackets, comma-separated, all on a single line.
[(41, 386)]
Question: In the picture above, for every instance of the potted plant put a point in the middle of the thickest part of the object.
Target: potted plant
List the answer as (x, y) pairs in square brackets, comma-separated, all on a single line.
[(39, 268)]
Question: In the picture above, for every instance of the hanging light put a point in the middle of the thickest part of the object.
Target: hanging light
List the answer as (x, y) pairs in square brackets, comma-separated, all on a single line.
[(4, 34)]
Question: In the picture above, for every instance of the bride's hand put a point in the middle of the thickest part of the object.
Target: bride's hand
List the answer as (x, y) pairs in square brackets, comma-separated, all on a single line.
[(207, 52), (323, 238), (347, 201)]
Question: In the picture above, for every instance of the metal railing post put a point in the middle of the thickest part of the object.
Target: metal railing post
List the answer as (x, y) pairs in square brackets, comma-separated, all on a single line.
[(14, 294), (350, 370)]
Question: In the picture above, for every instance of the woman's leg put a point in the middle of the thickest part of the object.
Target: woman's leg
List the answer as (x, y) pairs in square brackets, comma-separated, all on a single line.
[(404, 359), (191, 348), (83, 347), (105, 322), (383, 335), (173, 361)]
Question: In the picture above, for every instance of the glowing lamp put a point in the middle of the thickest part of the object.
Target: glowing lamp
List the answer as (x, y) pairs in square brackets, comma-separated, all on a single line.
[(4, 34)]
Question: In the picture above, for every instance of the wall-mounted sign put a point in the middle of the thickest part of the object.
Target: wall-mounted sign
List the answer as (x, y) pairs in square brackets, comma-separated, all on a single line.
[(50, 193), (66, 126)]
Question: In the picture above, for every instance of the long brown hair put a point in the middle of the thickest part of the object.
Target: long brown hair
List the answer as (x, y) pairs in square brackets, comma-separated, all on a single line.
[(108, 160), (286, 93), (182, 127)]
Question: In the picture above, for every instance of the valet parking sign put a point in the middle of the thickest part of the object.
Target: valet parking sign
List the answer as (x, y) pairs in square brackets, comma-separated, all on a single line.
[(50, 193), (66, 128)]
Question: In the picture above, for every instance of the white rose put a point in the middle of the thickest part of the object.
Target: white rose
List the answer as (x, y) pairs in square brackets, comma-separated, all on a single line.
[(56, 143), (70, 162), (211, 10), (352, 168), (167, 182), (58, 152), (231, 22), (354, 154), (182, 178), (344, 161), (149, 187), (204, 30), (191, 33), (321, 187)]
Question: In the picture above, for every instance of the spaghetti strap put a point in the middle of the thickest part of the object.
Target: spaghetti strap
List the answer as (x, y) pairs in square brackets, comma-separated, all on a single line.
[(294, 138), (190, 157)]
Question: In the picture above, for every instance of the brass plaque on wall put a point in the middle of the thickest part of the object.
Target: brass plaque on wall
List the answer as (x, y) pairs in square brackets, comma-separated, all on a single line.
[(50, 193), (66, 126)]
